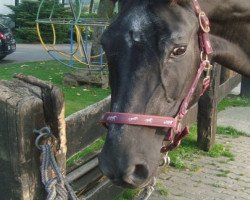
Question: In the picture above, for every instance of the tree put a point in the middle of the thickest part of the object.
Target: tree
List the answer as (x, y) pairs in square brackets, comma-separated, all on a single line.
[(91, 6), (16, 2), (24, 16), (105, 11)]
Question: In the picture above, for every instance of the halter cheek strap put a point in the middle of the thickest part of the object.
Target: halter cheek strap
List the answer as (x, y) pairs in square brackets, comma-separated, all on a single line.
[(176, 133)]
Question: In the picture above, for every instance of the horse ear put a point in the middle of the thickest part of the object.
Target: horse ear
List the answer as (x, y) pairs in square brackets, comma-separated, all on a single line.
[(230, 55)]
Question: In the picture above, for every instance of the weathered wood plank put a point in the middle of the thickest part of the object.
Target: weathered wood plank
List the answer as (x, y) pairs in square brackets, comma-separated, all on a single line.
[(226, 74), (104, 190), (207, 113), (82, 170), (53, 102), (21, 111), (83, 127), (225, 88), (191, 116), (245, 87)]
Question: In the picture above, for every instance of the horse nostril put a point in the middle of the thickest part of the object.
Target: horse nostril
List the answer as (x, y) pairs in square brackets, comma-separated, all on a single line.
[(140, 172), (137, 176)]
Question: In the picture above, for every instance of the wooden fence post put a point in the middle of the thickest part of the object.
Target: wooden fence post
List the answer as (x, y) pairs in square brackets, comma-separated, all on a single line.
[(24, 106), (245, 87), (207, 112), (225, 74)]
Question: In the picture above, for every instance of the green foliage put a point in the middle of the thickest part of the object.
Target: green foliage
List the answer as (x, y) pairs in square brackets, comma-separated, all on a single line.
[(25, 16)]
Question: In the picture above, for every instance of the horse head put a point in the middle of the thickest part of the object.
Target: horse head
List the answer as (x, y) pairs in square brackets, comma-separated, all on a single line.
[(153, 54)]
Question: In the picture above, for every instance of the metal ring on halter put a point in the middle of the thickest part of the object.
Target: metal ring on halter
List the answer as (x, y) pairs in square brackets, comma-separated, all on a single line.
[(204, 57), (165, 160), (202, 20)]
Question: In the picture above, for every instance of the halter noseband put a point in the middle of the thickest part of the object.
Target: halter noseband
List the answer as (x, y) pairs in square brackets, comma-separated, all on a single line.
[(174, 136)]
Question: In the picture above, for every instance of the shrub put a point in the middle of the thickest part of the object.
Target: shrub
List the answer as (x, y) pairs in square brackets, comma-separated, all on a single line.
[(25, 15)]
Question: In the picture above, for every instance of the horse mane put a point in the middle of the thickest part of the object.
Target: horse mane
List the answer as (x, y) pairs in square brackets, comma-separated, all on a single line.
[(172, 2), (180, 2)]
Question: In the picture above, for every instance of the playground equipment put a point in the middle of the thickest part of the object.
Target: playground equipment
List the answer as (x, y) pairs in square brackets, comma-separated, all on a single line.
[(77, 53)]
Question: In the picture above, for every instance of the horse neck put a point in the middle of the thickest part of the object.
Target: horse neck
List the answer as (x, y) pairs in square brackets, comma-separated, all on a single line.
[(226, 9)]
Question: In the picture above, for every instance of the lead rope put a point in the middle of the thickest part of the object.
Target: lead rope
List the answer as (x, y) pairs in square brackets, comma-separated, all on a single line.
[(147, 191), (56, 185)]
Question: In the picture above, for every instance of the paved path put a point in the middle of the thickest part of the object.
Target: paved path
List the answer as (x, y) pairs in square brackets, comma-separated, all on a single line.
[(26, 53), (35, 52), (215, 178), (238, 117)]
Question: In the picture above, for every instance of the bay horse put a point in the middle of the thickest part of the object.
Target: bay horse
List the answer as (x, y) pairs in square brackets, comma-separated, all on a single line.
[(153, 50)]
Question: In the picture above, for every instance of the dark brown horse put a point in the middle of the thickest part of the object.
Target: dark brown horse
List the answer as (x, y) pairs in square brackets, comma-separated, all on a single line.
[(153, 52)]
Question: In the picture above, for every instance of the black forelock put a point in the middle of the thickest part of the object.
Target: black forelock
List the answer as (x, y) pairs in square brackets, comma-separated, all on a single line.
[(180, 2)]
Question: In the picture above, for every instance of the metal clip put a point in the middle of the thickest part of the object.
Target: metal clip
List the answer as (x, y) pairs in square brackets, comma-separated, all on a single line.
[(165, 160), (208, 70)]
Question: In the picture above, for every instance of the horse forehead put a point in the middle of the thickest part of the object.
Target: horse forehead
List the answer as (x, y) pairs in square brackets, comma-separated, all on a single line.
[(137, 19), (140, 18)]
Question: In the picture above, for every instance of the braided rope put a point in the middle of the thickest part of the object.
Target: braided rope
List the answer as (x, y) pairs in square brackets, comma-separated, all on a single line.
[(56, 185), (147, 191)]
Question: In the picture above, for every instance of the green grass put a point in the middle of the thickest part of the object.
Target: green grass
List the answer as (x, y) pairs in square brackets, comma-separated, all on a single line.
[(223, 173), (97, 145), (188, 150), (229, 131), (220, 150), (76, 98), (161, 188), (128, 194), (233, 102)]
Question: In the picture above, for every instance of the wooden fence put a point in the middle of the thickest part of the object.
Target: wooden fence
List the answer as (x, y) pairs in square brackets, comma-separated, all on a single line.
[(27, 104)]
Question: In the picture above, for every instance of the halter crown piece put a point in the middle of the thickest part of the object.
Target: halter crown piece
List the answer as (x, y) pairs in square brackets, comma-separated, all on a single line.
[(176, 133)]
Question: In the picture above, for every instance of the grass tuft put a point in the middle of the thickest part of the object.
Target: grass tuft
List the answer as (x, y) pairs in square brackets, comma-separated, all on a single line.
[(220, 150), (223, 173), (189, 150), (229, 131), (186, 151), (128, 194), (233, 102), (96, 146), (162, 189)]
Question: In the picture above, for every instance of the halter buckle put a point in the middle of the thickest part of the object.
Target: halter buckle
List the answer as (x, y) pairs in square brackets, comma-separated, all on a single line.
[(178, 126), (204, 22), (204, 56)]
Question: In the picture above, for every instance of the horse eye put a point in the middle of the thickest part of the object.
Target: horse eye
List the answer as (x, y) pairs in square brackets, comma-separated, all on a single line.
[(178, 51)]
